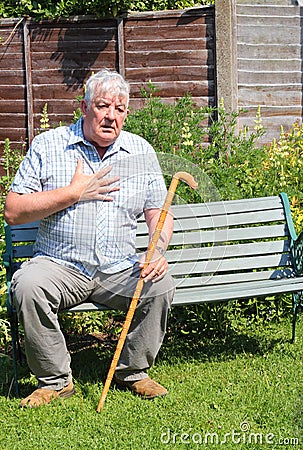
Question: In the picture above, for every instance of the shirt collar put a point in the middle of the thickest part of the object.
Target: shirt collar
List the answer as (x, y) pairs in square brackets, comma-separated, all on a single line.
[(76, 133), (77, 136)]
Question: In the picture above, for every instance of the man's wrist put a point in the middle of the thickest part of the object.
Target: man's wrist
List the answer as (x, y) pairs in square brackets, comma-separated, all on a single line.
[(160, 250)]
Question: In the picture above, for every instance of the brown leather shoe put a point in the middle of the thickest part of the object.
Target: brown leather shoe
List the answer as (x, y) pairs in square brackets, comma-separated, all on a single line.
[(146, 388), (44, 396)]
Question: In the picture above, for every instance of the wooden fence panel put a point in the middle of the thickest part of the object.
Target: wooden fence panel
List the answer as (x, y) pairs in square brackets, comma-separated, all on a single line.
[(13, 122), (158, 48), (49, 62), (269, 51), (63, 55)]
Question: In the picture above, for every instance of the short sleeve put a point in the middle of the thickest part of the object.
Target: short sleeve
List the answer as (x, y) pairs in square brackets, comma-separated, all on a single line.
[(28, 176)]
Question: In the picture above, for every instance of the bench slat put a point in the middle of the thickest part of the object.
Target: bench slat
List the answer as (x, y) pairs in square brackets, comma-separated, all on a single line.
[(229, 265), (223, 221), (220, 236), (227, 251), (229, 206), (27, 235), (199, 294), (23, 251), (25, 226), (237, 277)]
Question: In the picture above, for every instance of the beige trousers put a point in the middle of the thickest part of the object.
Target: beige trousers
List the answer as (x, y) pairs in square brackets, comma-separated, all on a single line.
[(41, 287)]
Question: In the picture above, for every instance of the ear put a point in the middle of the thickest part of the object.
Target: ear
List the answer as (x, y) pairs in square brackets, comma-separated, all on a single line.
[(126, 113), (83, 107)]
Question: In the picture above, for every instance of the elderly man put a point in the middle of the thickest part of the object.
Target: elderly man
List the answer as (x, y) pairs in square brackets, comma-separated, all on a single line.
[(88, 184)]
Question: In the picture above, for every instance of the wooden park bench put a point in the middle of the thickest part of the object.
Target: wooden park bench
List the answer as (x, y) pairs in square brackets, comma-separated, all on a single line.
[(219, 251)]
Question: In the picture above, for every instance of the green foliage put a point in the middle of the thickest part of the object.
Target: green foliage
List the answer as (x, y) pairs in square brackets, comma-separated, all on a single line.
[(283, 167), (92, 322), (208, 139), (11, 161), (48, 9), (44, 121), (205, 136)]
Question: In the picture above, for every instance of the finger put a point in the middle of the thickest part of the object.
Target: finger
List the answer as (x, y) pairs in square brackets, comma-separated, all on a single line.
[(106, 198), (153, 272), (158, 277), (106, 190), (79, 167), (146, 272), (103, 172), (154, 276), (107, 181)]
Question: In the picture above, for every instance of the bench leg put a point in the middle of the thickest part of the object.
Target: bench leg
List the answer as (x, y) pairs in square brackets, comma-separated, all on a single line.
[(297, 298), (16, 351), (17, 355)]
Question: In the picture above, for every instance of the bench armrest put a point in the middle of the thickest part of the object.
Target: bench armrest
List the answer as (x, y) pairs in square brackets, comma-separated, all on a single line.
[(296, 242), (297, 254)]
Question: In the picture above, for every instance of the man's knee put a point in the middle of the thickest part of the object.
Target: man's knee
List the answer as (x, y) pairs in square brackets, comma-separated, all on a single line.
[(23, 284), (28, 284), (163, 290)]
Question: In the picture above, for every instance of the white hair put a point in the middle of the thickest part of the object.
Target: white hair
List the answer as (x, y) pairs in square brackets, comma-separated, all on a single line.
[(106, 81)]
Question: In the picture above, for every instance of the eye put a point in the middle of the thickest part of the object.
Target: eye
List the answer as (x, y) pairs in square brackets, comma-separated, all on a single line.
[(102, 106)]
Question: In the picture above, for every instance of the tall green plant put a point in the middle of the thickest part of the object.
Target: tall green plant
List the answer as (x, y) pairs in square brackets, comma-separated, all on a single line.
[(205, 136), (11, 161)]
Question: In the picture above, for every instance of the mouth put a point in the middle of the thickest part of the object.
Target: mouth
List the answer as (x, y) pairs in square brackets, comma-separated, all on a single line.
[(106, 128)]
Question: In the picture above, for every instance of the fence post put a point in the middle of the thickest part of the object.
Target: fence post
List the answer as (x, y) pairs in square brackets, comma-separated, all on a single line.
[(120, 38), (226, 54), (28, 80)]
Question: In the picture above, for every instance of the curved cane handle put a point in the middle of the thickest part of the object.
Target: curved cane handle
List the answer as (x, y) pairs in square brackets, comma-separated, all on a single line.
[(188, 178)]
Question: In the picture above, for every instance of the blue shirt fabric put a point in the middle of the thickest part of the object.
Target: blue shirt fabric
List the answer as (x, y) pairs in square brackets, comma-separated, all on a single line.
[(92, 235)]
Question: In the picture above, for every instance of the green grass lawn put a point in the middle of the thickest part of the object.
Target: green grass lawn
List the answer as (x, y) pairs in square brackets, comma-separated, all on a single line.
[(241, 392)]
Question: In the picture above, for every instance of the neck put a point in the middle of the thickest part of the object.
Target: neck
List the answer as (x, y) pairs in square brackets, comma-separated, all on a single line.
[(101, 150)]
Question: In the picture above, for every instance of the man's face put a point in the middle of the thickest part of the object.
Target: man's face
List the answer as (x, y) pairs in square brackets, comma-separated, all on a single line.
[(104, 119)]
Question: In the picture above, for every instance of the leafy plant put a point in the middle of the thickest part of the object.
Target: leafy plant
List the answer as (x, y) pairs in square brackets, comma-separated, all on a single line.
[(283, 167), (44, 121), (47, 9), (10, 161), (207, 139), (204, 136)]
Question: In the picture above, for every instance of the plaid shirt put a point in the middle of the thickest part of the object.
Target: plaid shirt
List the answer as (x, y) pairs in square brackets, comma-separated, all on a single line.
[(92, 235)]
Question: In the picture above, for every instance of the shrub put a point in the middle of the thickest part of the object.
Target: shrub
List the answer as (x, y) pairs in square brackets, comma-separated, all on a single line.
[(207, 140), (47, 9)]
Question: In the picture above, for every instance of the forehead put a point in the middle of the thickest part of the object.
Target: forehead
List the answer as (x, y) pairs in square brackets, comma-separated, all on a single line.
[(111, 98)]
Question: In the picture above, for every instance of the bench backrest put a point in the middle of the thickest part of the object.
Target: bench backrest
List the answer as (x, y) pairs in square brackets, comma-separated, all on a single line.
[(213, 243)]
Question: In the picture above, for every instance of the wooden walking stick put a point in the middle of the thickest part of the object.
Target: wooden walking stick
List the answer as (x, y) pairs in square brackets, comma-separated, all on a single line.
[(150, 251)]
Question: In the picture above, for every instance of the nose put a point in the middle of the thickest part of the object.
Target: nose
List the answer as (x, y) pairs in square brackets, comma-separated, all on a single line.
[(110, 113)]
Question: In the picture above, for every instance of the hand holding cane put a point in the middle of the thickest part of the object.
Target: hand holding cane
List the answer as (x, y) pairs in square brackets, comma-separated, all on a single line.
[(150, 252)]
